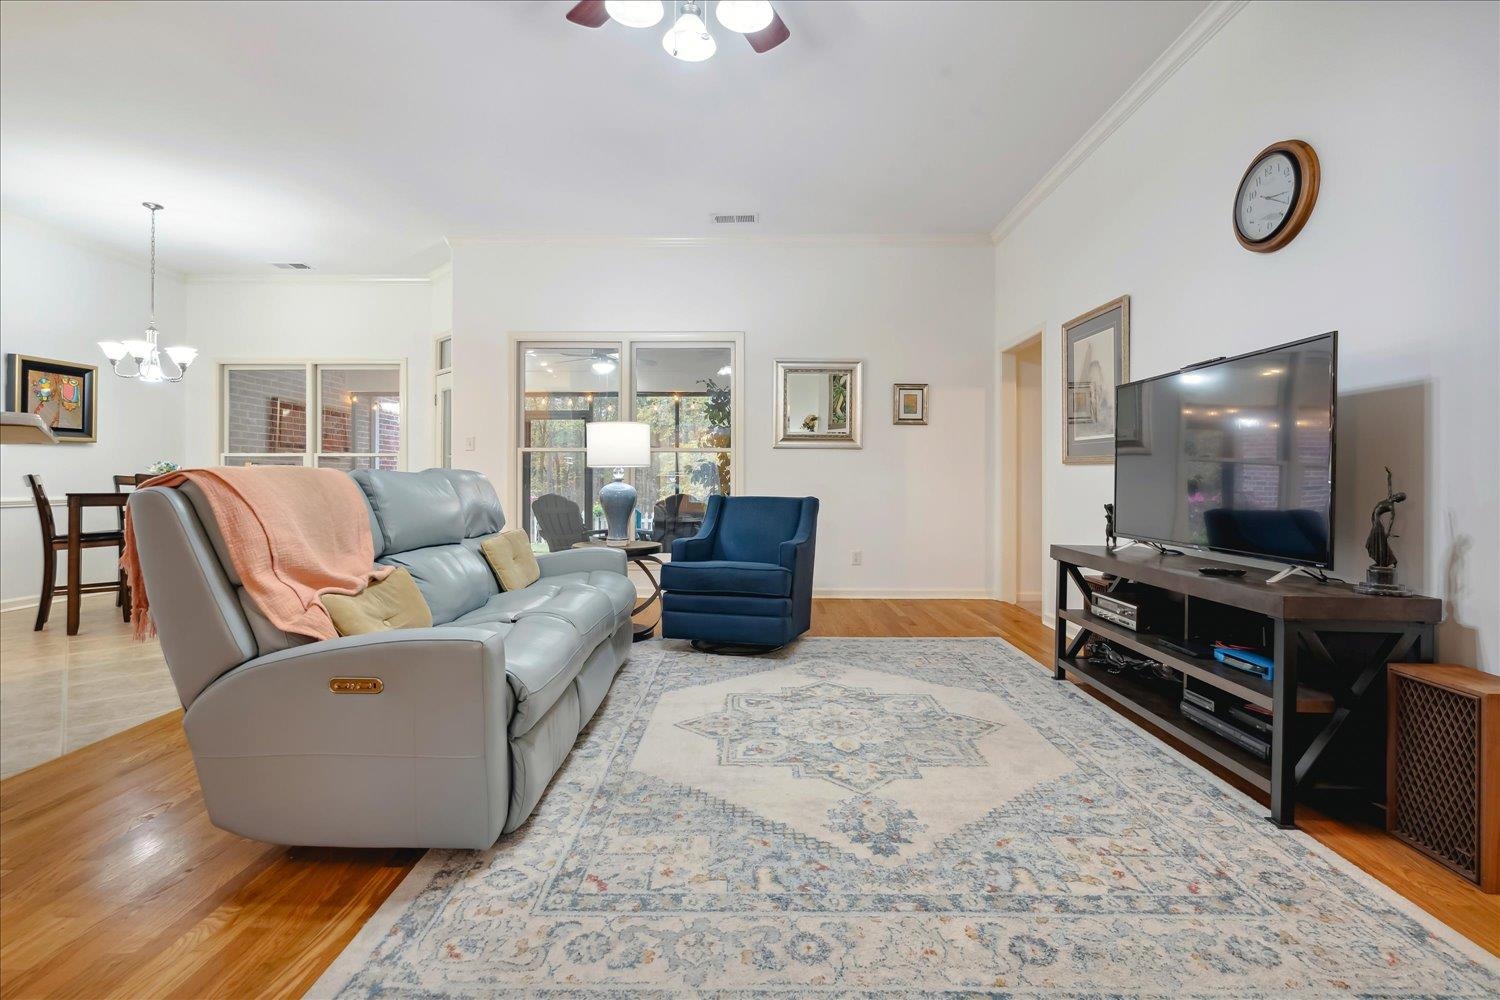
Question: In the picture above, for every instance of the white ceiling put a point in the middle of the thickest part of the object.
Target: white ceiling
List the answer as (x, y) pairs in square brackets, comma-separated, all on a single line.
[(356, 137)]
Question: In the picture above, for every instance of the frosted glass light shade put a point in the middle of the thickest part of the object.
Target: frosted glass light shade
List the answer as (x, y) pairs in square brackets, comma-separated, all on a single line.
[(182, 356), (151, 370), (617, 444), (635, 13), (139, 349), (113, 350), (689, 39), (744, 16)]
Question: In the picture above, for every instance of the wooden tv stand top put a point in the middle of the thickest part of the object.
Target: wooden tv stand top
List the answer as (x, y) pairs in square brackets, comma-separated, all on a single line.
[(1297, 598)]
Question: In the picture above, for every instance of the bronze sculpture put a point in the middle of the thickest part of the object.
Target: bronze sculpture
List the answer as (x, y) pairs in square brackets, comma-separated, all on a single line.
[(1380, 578)]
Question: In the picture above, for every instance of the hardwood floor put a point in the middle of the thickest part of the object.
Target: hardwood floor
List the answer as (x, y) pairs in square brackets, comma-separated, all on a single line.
[(113, 883)]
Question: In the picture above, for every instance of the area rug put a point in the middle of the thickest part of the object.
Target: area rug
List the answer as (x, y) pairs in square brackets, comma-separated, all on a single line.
[(891, 817)]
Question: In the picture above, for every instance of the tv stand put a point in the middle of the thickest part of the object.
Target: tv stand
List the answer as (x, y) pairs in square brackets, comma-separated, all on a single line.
[(1330, 646)]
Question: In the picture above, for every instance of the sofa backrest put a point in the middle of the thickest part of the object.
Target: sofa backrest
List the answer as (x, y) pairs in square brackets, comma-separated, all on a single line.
[(751, 529), (431, 523)]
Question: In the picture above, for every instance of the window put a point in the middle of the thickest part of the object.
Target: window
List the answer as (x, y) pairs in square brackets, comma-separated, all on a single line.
[(358, 414), (682, 388)]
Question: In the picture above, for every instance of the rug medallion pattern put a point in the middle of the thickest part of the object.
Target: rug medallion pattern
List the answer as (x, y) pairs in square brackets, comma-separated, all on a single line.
[(890, 817)]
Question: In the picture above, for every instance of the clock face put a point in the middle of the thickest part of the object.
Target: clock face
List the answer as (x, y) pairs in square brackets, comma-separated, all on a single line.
[(1266, 197)]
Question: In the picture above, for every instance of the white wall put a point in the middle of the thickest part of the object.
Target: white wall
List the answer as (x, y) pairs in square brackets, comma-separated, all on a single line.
[(914, 499), (311, 318), (58, 298), (1401, 255)]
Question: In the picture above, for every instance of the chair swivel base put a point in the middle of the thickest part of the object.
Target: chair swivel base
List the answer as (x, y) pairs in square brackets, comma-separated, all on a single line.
[(734, 648)]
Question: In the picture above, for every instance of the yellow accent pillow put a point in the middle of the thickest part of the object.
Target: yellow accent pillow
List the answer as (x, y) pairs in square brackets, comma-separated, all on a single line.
[(394, 602), (510, 557)]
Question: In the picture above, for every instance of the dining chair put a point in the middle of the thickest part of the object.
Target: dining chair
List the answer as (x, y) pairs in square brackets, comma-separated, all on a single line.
[(53, 543)]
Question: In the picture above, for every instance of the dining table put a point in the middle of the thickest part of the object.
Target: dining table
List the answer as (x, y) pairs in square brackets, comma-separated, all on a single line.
[(77, 504)]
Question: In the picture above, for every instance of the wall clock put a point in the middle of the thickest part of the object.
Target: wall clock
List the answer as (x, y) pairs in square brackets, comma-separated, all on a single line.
[(1276, 196)]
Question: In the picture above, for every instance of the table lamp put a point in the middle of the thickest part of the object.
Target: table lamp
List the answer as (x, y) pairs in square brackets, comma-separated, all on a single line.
[(619, 445)]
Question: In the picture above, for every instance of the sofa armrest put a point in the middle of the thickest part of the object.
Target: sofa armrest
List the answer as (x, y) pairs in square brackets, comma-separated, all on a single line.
[(443, 692), (595, 557)]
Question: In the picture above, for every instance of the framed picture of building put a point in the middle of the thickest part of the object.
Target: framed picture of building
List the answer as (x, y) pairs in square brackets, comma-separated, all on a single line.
[(62, 393), (1095, 359)]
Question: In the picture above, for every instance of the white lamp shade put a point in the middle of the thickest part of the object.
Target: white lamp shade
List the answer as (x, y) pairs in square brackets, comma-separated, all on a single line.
[(744, 16), (689, 39), (182, 356), (635, 13), (139, 349), (113, 349), (617, 444)]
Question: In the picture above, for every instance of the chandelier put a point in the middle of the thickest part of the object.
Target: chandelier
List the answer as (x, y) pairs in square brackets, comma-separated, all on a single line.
[(142, 359), (688, 38)]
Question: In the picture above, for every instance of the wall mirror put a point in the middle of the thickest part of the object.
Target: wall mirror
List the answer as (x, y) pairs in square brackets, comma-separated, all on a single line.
[(818, 404)]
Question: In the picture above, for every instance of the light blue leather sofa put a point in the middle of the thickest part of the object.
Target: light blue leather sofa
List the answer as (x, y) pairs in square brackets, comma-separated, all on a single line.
[(473, 717)]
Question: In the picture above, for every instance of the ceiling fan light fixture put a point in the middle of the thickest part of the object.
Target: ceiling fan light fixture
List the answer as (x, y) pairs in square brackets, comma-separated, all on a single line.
[(688, 39), (603, 366), (744, 16), (635, 13)]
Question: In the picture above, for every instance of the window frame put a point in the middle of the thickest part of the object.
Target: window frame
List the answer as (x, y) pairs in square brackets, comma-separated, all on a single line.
[(311, 452), (626, 343)]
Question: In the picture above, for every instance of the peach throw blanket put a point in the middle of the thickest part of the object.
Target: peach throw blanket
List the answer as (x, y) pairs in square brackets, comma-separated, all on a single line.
[(293, 534)]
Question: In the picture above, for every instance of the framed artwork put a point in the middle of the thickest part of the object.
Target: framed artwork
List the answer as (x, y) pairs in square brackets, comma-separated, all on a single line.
[(909, 403), (1095, 359), (63, 394), (818, 404)]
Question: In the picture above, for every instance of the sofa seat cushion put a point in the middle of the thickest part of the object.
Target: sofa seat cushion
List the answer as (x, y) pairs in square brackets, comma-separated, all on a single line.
[(722, 576), (504, 606), (543, 655), (615, 586), (583, 607)]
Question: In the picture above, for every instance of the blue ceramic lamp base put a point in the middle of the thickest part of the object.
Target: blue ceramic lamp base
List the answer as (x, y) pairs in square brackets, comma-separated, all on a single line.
[(618, 500)]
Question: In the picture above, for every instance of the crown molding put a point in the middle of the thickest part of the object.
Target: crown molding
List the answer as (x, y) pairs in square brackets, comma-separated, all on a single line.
[(1183, 48), (86, 244), (740, 240), (293, 278), (441, 271)]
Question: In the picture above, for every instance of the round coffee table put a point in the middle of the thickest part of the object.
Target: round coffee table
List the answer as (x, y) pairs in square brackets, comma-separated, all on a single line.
[(639, 553)]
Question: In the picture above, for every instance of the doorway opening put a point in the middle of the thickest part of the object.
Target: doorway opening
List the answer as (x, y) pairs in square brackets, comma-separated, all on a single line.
[(1023, 554)]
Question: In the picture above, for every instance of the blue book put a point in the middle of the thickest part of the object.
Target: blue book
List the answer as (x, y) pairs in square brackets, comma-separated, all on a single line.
[(1245, 659)]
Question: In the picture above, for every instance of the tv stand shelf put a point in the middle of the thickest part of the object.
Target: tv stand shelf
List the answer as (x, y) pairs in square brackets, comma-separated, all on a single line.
[(1343, 637)]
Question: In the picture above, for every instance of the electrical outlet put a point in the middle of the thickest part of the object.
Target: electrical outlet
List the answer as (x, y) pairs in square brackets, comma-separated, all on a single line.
[(857, 558), (469, 443)]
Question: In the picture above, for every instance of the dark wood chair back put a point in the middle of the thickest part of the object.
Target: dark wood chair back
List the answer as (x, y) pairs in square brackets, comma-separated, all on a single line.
[(43, 512), (677, 516), (121, 484), (561, 522)]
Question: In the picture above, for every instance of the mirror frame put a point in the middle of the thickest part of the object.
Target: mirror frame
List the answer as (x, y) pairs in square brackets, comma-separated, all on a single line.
[(854, 369)]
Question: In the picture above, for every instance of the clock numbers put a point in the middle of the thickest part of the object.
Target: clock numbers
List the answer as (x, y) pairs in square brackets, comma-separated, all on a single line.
[(1266, 197)]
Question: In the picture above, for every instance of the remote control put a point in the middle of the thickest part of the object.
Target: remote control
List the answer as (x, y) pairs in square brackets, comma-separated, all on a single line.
[(1220, 571)]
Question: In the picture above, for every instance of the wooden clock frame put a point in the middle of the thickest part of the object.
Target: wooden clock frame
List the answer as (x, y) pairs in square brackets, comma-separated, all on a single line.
[(1308, 175)]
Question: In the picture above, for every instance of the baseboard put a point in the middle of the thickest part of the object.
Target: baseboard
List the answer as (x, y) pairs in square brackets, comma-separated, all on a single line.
[(852, 594), (1028, 595), (17, 603)]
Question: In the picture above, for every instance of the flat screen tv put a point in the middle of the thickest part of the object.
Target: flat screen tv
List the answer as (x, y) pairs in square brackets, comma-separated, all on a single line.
[(1234, 455)]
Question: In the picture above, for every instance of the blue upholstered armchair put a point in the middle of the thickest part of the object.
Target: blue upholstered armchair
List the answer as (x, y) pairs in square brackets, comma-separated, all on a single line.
[(746, 579)]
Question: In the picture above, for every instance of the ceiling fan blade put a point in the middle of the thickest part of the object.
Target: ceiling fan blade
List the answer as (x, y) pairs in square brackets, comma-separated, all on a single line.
[(770, 36), (590, 14)]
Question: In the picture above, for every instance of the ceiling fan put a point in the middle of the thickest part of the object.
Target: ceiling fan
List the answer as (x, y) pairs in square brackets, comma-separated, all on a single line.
[(688, 38)]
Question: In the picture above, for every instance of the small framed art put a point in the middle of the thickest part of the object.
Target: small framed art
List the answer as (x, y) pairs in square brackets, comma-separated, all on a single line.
[(909, 403)]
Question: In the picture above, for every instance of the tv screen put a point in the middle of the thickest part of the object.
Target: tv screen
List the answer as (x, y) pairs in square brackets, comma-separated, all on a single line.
[(1233, 456)]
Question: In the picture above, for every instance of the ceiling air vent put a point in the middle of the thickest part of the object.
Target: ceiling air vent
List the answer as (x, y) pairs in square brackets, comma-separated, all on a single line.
[(735, 220), (293, 267)]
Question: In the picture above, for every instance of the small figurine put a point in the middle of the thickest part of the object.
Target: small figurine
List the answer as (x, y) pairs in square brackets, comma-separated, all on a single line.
[(1109, 527), (1380, 578)]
